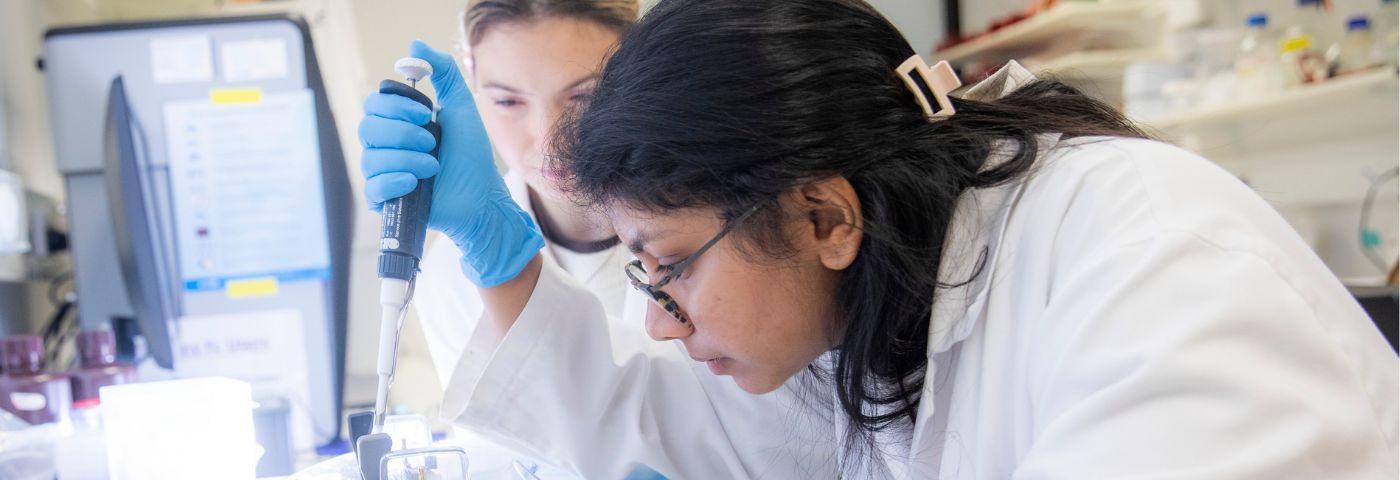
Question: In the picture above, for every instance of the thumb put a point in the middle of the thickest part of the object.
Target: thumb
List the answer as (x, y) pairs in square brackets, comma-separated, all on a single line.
[(447, 80)]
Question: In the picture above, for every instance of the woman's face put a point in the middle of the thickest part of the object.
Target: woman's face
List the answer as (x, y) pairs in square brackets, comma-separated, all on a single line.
[(756, 318), (525, 75)]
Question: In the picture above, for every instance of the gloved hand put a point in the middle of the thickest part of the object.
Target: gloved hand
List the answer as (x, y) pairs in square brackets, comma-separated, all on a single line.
[(470, 202)]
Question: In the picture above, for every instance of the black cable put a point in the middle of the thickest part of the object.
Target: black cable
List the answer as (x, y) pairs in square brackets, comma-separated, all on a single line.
[(52, 327), (1365, 224), (60, 325), (56, 331)]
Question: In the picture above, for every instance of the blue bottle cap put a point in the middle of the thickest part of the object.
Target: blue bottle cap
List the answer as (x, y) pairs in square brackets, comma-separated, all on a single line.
[(1359, 22), (1309, 3), (1257, 20)]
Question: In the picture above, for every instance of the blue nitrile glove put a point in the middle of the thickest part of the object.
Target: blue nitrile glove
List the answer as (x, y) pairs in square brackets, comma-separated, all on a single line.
[(470, 202)]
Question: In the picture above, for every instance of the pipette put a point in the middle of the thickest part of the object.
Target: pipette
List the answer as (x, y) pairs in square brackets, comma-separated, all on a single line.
[(404, 226), (405, 221)]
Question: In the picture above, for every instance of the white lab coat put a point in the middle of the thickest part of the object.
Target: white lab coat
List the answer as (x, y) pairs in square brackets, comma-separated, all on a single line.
[(449, 308), (1141, 314)]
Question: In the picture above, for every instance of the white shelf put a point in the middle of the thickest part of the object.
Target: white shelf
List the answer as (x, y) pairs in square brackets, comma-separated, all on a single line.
[(1094, 64), (1296, 104), (1066, 17)]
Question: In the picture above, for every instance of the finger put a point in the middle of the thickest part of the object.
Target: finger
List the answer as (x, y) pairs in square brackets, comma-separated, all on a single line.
[(380, 132), (379, 161), (447, 80), (397, 107), (382, 188)]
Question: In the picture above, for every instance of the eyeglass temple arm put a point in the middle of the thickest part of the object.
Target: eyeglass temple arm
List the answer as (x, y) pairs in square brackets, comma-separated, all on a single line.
[(680, 267)]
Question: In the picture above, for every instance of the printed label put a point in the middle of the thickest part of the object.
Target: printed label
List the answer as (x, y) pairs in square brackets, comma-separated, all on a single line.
[(28, 401)]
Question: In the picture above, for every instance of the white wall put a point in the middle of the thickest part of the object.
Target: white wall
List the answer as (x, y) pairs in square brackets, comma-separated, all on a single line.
[(30, 143), (921, 21)]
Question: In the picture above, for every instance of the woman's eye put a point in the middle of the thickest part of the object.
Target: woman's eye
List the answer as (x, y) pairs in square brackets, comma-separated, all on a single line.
[(508, 103), (580, 97)]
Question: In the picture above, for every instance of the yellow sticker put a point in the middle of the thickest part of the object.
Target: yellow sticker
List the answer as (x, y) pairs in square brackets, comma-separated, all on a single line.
[(1293, 44), (235, 96), (251, 287)]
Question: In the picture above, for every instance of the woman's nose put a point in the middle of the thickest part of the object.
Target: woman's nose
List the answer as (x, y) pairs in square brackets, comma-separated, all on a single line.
[(661, 326), (542, 126)]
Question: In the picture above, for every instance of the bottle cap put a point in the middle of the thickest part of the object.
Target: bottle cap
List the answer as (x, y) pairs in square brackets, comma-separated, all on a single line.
[(22, 353), (96, 348), (1257, 20), (1359, 22)]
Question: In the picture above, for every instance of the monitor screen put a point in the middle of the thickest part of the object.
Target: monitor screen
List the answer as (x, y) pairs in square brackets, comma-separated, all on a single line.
[(245, 178)]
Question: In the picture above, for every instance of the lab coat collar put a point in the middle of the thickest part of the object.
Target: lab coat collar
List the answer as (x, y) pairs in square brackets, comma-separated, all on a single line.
[(1006, 79), (970, 247), (520, 192)]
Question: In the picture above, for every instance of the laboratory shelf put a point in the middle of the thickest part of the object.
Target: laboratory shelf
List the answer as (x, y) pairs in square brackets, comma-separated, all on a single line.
[(1065, 18), (1094, 65), (1352, 107), (1298, 103)]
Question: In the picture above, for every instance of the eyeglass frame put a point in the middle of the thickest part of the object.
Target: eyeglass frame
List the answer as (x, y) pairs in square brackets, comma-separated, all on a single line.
[(663, 299)]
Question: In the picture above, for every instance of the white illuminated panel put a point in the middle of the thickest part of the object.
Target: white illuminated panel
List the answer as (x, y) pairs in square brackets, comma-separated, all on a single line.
[(180, 429)]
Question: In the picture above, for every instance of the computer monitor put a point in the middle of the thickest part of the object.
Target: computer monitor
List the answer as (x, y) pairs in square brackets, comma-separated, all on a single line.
[(209, 205), (140, 249)]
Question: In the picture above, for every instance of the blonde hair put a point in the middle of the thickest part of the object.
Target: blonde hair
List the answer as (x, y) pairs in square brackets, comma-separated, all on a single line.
[(481, 15)]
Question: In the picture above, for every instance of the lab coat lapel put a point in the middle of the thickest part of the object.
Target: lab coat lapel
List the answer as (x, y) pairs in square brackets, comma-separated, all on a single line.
[(975, 232), (970, 252), (966, 272)]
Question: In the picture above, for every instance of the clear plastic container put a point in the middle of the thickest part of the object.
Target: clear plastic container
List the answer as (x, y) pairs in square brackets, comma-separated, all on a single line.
[(430, 463), (1301, 62), (83, 455), (1388, 32), (1257, 64), (26, 390), (1312, 18), (1303, 50), (1358, 49)]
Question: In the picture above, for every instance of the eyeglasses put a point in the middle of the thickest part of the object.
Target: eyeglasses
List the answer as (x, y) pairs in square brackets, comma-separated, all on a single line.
[(638, 277)]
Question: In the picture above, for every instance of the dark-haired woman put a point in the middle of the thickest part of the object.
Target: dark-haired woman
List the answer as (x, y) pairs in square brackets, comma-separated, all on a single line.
[(1013, 283)]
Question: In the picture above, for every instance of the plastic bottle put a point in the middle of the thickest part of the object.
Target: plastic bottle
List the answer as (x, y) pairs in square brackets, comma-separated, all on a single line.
[(25, 389), (97, 365), (1358, 50), (1312, 18), (1388, 32), (1257, 64), (1303, 51)]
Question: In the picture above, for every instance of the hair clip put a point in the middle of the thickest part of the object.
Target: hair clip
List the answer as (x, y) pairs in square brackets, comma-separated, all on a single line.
[(939, 80)]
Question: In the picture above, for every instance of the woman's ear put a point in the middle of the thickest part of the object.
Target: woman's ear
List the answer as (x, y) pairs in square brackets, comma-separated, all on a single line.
[(833, 212)]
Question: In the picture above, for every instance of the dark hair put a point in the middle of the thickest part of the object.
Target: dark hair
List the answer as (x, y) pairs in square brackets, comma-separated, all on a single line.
[(481, 15), (725, 104)]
